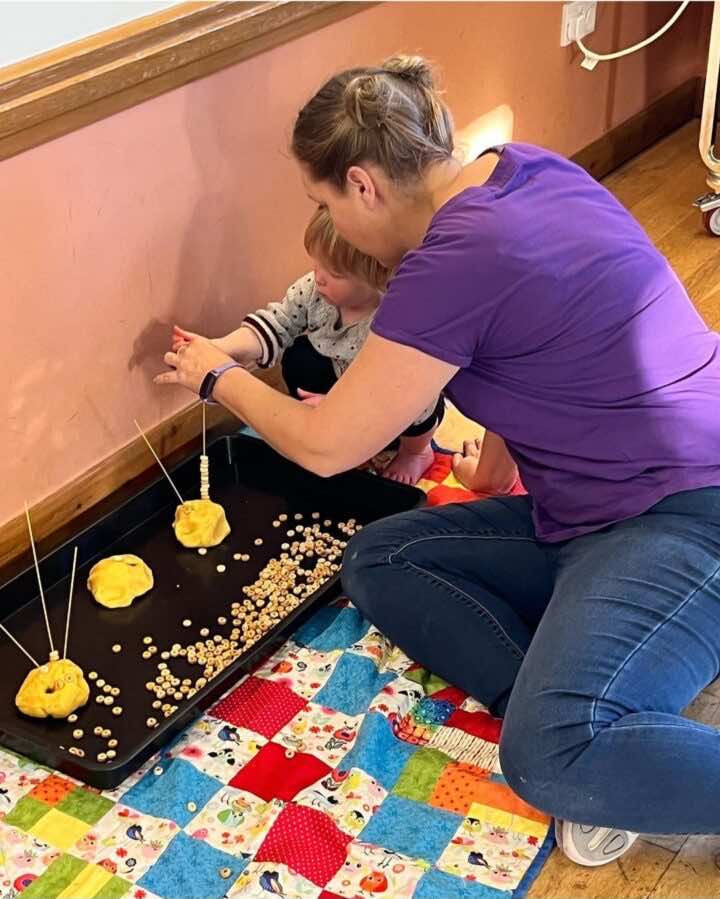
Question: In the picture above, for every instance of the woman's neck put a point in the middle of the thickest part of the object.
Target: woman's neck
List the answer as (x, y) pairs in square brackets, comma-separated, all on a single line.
[(440, 184)]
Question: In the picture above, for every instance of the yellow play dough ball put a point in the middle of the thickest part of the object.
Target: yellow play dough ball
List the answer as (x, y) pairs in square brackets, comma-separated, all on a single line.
[(116, 581), (200, 522), (54, 690)]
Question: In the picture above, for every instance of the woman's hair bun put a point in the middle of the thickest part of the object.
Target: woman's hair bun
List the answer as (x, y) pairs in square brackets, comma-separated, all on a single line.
[(366, 99), (411, 68)]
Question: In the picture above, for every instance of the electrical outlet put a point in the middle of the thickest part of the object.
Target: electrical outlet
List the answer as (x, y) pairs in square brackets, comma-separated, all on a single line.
[(578, 19)]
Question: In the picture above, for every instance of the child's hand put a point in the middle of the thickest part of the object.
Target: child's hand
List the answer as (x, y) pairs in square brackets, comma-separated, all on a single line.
[(195, 357), (180, 337), (310, 399), (486, 466)]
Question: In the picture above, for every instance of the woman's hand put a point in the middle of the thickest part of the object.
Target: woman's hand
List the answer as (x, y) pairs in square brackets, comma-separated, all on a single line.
[(194, 357)]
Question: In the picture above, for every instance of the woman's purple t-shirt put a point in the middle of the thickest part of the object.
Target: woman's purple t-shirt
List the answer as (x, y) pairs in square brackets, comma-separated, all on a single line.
[(575, 340)]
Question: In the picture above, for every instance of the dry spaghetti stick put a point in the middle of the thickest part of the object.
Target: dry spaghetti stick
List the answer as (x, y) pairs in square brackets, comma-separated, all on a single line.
[(19, 645), (204, 463), (70, 598), (157, 459), (39, 580)]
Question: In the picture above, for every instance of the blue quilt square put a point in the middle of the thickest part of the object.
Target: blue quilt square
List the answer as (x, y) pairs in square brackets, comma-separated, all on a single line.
[(436, 883), (353, 684), (378, 751), (318, 624), (411, 828), (192, 869), (331, 629), (169, 794)]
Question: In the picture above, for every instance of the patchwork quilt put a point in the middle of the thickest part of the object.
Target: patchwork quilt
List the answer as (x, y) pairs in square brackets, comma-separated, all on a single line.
[(339, 769)]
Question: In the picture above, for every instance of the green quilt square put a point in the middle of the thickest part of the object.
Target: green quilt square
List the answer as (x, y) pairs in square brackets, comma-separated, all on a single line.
[(85, 806), (27, 812), (113, 889), (58, 876), (420, 775), (430, 682)]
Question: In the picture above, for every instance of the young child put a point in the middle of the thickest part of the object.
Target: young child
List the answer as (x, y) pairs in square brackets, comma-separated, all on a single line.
[(318, 329)]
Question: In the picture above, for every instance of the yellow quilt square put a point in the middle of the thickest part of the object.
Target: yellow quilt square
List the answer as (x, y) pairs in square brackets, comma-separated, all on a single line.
[(509, 820), (88, 882), (59, 829)]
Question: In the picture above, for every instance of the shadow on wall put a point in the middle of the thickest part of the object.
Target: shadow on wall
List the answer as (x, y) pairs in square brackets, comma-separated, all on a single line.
[(210, 254)]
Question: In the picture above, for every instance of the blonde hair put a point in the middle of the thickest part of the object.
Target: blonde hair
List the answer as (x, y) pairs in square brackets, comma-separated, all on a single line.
[(392, 116), (323, 242)]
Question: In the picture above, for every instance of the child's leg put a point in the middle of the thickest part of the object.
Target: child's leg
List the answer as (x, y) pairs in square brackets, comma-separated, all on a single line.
[(303, 367), (416, 455)]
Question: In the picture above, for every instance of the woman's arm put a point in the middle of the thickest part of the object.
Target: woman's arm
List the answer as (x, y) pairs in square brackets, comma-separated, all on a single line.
[(382, 392), (486, 466)]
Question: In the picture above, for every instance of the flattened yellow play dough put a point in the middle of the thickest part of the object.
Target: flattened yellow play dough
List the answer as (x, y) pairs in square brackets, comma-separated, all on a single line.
[(200, 522), (116, 581), (53, 690)]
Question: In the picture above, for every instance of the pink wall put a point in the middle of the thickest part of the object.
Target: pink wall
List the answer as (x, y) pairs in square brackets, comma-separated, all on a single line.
[(188, 208)]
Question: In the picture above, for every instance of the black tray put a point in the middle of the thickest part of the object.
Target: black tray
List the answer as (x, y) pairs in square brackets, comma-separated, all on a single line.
[(255, 485)]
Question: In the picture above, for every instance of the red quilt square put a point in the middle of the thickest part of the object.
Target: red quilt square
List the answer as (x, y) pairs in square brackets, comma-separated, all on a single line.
[(451, 694), (53, 789), (263, 706), (279, 773), (440, 468), (307, 841), (479, 724), (328, 895)]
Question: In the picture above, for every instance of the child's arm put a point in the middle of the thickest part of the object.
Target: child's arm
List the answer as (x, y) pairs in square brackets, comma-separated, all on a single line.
[(241, 344), (264, 334), (280, 324), (486, 466)]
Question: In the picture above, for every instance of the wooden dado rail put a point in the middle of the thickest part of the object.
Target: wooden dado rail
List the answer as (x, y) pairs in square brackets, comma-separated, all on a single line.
[(56, 92)]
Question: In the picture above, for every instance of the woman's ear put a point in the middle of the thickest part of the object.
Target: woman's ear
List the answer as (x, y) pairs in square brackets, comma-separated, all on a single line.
[(362, 186)]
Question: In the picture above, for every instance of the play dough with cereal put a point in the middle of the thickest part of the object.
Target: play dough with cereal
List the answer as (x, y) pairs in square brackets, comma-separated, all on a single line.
[(53, 690), (200, 523), (116, 581)]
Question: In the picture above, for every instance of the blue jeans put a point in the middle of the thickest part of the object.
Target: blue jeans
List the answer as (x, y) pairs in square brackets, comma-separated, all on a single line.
[(590, 648)]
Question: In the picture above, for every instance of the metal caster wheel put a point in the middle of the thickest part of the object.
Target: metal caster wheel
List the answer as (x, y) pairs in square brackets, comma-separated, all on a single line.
[(711, 220)]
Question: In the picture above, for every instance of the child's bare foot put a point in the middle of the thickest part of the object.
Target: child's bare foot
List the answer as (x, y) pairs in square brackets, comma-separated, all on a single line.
[(408, 467)]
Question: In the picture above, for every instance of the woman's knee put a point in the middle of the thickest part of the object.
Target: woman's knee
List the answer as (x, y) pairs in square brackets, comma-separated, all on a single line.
[(374, 559), (539, 744), (520, 754), (364, 563)]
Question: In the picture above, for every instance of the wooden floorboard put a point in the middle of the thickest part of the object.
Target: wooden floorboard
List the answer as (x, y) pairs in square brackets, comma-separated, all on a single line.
[(658, 188), (694, 872)]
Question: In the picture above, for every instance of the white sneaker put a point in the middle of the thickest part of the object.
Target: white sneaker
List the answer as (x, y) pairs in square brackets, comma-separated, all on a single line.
[(587, 845)]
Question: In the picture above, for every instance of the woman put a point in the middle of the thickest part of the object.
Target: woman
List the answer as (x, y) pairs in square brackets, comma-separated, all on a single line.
[(588, 614)]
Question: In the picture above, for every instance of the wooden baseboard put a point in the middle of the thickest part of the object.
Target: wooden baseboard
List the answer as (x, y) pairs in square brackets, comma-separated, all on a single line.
[(640, 132), (179, 433)]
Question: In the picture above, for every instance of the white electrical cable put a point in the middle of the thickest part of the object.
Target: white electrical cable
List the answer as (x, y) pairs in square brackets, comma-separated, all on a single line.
[(592, 59)]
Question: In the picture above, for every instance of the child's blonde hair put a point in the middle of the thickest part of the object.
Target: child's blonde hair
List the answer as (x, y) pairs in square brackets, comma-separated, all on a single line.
[(324, 243)]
